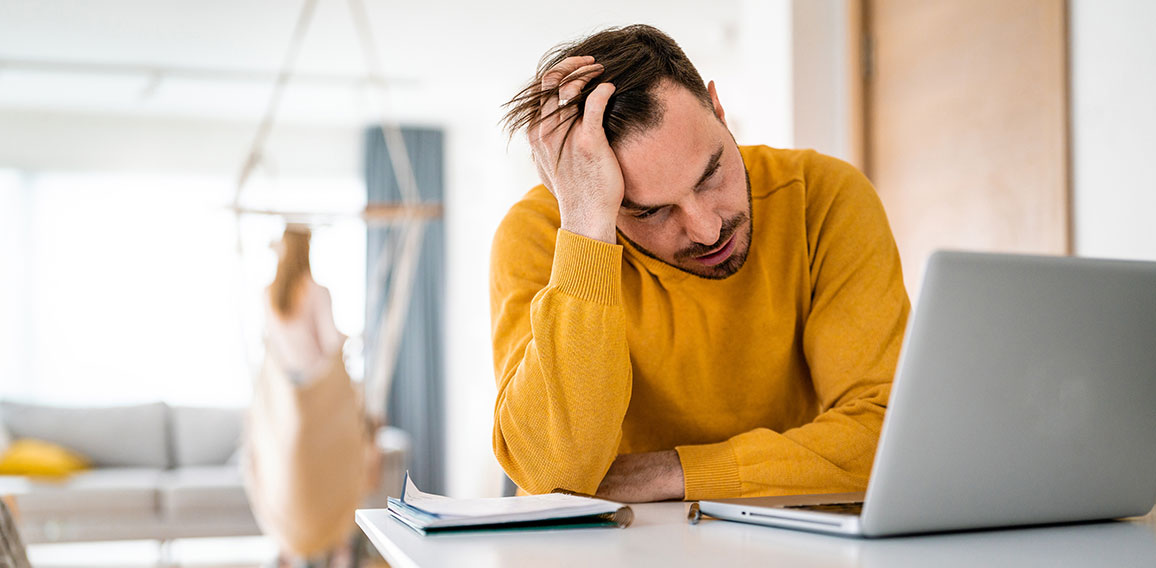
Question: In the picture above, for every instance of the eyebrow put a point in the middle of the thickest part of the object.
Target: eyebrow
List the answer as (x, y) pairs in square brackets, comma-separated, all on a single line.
[(711, 167)]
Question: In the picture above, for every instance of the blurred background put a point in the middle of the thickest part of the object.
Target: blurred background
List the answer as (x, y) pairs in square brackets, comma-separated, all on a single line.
[(127, 275)]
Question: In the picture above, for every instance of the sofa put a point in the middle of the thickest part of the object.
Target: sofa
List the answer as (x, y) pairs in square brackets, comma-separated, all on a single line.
[(158, 472)]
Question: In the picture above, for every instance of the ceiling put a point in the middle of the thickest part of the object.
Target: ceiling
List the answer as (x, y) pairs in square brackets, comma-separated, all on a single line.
[(218, 58)]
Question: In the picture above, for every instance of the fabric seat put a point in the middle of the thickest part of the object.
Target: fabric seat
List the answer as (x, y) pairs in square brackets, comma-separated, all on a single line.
[(194, 492), (104, 491)]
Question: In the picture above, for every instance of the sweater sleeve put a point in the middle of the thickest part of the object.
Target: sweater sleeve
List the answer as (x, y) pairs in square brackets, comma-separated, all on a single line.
[(851, 340), (560, 355)]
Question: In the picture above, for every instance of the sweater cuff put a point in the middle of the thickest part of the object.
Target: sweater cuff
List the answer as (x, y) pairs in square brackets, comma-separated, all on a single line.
[(710, 471), (587, 269)]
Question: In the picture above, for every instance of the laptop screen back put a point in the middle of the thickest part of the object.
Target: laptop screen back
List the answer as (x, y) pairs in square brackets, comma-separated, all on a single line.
[(1026, 394)]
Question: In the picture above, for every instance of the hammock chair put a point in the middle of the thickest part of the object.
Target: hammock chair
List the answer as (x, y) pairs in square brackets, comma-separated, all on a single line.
[(310, 456)]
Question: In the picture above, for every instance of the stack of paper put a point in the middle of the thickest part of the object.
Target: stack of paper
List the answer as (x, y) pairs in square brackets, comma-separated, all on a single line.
[(425, 512)]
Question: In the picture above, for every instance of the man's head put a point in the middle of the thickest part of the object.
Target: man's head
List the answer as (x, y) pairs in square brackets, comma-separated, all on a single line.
[(687, 197)]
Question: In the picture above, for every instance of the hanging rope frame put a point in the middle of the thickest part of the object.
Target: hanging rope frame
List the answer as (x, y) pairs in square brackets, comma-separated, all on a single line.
[(398, 263)]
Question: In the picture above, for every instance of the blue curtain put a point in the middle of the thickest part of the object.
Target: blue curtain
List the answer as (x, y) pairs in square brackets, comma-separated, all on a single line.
[(416, 398)]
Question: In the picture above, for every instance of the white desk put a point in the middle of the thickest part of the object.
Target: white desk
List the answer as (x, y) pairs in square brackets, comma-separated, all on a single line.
[(660, 536)]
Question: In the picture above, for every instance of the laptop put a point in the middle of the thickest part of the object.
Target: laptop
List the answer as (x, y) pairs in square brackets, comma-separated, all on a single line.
[(1025, 395)]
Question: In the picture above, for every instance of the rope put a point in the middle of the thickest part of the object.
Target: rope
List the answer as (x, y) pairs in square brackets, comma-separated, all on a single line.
[(406, 249), (253, 159), (283, 76), (412, 232)]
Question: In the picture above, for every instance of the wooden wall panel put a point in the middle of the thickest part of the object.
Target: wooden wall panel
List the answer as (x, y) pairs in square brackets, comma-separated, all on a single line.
[(967, 125)]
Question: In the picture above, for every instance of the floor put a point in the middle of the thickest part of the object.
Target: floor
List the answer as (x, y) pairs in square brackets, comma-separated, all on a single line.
[(239, 552), (243, 552)]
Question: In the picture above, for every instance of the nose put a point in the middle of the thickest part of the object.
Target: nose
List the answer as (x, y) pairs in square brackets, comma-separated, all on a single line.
[(702, 225)]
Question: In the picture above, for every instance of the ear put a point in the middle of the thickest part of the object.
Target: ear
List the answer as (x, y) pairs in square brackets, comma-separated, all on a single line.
[(718, 109)]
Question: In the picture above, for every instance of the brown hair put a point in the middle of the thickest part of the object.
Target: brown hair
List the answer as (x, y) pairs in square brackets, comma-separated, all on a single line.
[(292, 269), (636, 59)]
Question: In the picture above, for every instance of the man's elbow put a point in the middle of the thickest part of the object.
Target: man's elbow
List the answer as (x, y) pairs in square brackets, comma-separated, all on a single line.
[(543, 472)]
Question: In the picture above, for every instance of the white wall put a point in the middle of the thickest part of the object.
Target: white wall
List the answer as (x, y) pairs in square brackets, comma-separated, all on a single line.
[(779, 85), (13, 291), (1113, 89), (40, 140), (821, 93), (454, 67)]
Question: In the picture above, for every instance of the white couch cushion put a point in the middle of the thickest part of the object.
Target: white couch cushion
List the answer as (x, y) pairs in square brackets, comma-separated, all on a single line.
[(190, 492), (108, 491), (5, 438), (117, 436), (204, 436)]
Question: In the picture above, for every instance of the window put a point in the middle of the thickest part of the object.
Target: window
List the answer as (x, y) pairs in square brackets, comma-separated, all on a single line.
[(119, 288)]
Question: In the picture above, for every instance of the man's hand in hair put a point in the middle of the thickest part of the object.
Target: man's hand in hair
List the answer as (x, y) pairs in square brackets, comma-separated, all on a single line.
[(583, 174)]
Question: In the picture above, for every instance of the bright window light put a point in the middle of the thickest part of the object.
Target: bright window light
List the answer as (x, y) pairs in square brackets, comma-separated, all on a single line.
[(129, 288)]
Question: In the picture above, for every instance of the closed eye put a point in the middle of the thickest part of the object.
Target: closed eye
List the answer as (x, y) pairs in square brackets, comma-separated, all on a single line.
[(710, 176), (647, 212), (712, 168)]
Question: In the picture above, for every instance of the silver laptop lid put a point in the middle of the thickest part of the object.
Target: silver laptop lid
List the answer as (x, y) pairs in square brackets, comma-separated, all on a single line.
[(1026, 393)]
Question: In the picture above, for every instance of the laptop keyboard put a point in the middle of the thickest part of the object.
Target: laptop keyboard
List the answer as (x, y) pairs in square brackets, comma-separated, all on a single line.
[(837, 508)]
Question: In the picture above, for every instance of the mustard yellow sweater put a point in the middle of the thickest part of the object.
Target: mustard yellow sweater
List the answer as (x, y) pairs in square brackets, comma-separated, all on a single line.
[(772, 381)]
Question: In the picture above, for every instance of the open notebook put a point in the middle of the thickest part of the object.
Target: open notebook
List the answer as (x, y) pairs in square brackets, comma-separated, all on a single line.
[(426, 512)]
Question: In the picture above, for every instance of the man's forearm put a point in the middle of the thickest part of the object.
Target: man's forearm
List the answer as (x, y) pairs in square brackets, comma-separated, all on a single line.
[(637, 478), (563, 395)]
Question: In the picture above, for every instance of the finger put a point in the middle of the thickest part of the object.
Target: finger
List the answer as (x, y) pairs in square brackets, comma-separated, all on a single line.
[(540, 152), (546, 181), (550, 81), (544, 135), (555, 112), (571, 87), (547, 116), (554, 76), (572, 84), (596, 106)]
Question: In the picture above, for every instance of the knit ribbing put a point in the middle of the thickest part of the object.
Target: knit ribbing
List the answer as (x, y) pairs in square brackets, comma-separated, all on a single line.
[(587, 269), (710, 471)]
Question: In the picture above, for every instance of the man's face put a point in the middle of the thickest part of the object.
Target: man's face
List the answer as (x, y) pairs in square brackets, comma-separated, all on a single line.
[(687, 200)]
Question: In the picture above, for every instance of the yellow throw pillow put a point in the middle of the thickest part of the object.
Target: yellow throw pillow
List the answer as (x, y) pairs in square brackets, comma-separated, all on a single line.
[(27, 456)]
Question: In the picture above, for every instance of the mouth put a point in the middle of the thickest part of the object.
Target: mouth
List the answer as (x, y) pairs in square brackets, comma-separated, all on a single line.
[(720, 254)]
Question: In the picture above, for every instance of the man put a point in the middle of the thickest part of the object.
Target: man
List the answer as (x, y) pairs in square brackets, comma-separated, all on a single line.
[(676, 317)]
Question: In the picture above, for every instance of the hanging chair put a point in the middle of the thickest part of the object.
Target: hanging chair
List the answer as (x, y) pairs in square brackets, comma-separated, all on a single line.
[(309, 449), (308, 455)]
